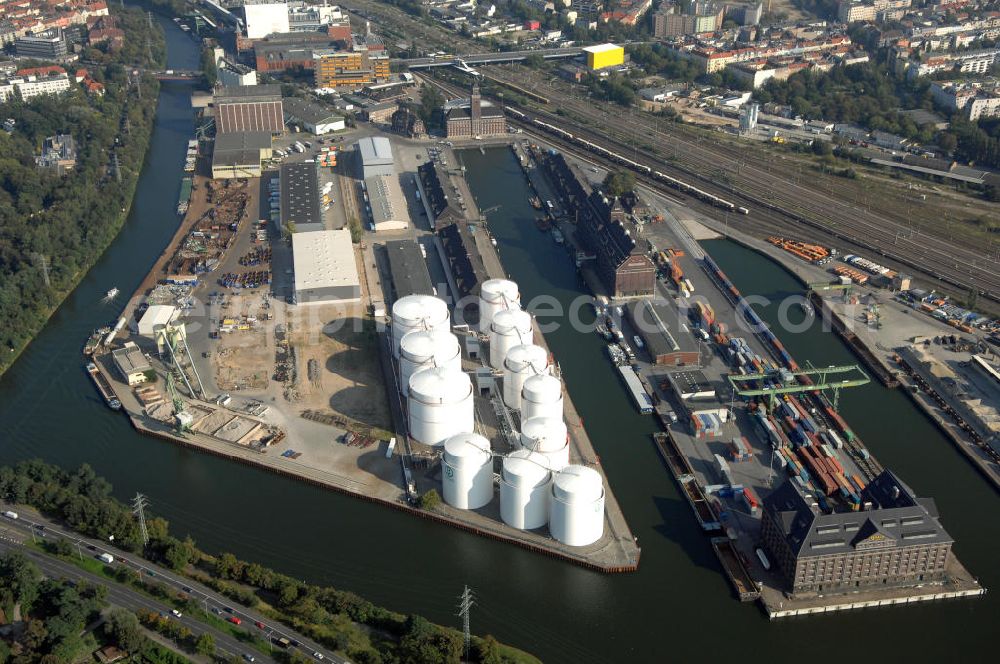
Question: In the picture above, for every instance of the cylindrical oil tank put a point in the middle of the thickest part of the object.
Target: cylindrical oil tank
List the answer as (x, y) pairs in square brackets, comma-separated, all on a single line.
[(541, 396), (467, 471), (525, 490), (522, 362), (423, 349), (547, 436), (417, 312), (511, 327), (576, 512), (496, 295), (440, 404)]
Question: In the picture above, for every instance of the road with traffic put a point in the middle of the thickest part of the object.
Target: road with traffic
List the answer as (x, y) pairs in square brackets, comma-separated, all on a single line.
[(253, 623)]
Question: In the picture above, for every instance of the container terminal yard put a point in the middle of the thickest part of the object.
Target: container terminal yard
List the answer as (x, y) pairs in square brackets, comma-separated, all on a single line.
[(499, 477), (729, 451)]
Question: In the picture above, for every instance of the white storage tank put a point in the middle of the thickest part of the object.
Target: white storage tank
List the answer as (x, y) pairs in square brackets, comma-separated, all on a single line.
[(510, 328), (541, 396), (467, 471), (576, 515), (547, 436), (522, 362), (440, 404), (417, 312), (525, 490), (423, 349), (496, 295)]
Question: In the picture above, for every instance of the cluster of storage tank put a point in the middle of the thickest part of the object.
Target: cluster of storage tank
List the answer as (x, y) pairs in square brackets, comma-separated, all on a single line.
[(439, 394), (538, 486)]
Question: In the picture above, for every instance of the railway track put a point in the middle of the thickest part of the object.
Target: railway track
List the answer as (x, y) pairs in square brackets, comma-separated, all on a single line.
[(784, 207), (782, 201)]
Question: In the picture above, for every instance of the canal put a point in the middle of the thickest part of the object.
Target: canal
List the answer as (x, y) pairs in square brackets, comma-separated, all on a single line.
[(677, 607)]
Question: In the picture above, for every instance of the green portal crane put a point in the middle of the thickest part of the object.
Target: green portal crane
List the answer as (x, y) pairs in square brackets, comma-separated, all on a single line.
[(824, 382), (821, 286)]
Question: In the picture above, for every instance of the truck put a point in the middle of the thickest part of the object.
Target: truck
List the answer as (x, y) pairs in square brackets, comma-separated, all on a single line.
[(9, 514), (283, 642), (106, 558)]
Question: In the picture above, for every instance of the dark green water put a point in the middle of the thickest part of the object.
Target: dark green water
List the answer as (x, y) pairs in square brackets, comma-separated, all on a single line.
[(677, 607)]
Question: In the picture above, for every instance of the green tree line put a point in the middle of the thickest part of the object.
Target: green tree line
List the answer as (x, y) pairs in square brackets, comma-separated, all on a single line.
[(53, 228), (339, 619)]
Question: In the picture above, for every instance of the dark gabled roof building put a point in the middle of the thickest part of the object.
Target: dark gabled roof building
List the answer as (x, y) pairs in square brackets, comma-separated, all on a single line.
[(895, 539), (434, 182), (462, 252), (408, 269), (621, 263)]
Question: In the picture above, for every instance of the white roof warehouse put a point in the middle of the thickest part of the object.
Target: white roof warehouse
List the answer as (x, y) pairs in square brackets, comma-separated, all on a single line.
[(326, 271)]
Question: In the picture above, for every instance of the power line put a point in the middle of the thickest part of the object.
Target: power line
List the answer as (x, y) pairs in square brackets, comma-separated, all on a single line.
[(139, 503), (465, 604)]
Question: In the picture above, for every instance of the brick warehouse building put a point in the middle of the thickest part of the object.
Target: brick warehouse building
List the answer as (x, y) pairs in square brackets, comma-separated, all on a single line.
[(622, 265), (475, 119), (895, 540)]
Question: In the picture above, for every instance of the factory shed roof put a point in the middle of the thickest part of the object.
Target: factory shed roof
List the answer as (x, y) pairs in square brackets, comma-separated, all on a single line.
[(309, 112), (300, 194), (130, 359), (237, 94), (375, 150), (242, 140), (324, 259), (408, 269)]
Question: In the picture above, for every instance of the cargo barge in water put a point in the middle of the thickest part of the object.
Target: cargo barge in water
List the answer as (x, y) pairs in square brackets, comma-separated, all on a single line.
[(103, 386)]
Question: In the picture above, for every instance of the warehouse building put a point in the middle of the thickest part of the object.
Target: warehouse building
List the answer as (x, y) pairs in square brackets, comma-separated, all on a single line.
[(604, 55), (408, 269), (691, 385), (659, 327), (152, 319), (894, 540), (385, 202), (433, 180), (300, 207), (249, 108), (312, 117), (622, 265), (239, 154), (131, 364), (462, 244), (326, 270), (375, 157)]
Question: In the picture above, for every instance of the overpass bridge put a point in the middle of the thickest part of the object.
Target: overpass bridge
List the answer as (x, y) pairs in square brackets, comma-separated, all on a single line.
[(178, 74), (487, 58)]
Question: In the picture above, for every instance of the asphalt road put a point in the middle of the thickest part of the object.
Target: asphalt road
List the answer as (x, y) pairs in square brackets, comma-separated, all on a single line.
[(122, 596), (210, 600)]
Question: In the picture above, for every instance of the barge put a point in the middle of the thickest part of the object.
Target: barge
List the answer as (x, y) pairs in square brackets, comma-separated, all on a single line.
[(639, 394), (103, 386)]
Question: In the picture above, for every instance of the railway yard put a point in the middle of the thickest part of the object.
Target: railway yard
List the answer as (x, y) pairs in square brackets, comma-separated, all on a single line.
[(896, 221)]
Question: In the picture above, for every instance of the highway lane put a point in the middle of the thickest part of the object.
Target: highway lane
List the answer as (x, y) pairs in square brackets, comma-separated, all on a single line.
[(123, 596), (210, 600)]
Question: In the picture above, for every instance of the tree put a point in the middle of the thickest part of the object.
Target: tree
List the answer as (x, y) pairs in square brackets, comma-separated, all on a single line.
[(208, 67), (430, 500), (19, 580), (122, 627), (431, 102), (488, 650), (205, 645), (619, 183)]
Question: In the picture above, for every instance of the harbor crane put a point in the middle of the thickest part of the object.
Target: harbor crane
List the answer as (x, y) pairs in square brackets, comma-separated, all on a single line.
[(184, 418), (826, 376), (821, 286)]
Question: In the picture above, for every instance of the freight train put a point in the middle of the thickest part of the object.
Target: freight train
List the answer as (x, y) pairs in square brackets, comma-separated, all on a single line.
[(680, 185)]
